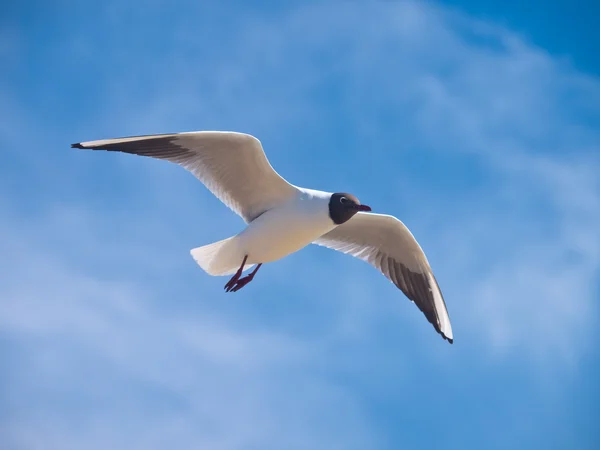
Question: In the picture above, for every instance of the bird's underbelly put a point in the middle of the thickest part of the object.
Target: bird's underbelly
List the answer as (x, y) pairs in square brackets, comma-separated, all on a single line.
[(277, 234)]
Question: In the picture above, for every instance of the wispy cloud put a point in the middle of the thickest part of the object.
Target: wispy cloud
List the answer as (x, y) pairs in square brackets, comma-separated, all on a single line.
[(86, 335), (485, 146)]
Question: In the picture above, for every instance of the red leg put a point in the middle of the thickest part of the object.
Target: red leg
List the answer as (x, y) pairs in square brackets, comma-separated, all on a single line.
[(247, 279), (236, 276)]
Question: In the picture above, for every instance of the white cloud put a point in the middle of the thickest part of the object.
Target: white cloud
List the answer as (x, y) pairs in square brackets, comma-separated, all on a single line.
[(107, 314), (225, 385)]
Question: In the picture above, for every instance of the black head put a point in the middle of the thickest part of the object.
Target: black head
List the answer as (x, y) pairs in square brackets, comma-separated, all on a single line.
[(343, 206)]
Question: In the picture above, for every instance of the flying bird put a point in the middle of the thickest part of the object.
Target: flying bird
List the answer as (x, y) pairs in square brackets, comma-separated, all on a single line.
[(282, 218)]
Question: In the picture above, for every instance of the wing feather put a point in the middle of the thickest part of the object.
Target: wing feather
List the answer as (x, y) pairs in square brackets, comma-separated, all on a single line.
[(384, 242), (233, 166)]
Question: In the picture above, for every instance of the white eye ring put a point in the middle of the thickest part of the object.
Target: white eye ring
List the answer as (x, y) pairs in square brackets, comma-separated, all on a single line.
[(344, 200)]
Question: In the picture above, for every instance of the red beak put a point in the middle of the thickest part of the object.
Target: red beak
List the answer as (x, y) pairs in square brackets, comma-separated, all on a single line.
[(363, 208)]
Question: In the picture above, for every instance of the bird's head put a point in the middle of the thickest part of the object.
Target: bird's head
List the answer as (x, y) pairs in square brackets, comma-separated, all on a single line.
[(343, 206)]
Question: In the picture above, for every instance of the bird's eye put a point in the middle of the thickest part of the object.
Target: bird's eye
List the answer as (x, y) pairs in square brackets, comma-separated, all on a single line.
[(344, 200)]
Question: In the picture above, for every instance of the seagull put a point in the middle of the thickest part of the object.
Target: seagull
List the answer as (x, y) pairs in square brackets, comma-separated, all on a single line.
[(282, 218)]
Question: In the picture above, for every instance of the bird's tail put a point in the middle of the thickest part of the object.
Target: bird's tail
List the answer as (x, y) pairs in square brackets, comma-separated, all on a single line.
[(220, 258)]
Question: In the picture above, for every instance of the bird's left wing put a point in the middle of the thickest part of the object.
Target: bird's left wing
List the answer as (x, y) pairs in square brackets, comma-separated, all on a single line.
[(384, 242)]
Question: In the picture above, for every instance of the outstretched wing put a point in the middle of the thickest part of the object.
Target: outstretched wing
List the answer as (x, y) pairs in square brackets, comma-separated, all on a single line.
[(233, 166), (384, 242)]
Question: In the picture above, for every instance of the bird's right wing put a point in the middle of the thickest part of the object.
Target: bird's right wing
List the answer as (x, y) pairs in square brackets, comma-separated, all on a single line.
[(233, 166), (384, 242)]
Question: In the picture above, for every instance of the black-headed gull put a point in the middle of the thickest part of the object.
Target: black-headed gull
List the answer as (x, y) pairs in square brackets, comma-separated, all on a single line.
[(283, 218)]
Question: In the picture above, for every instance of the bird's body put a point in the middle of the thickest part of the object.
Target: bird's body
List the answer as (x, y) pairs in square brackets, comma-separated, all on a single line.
[(273, 235), (282, 218), (287, 228)]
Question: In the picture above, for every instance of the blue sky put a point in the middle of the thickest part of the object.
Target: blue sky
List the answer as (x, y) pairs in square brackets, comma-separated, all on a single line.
[(477, 125)]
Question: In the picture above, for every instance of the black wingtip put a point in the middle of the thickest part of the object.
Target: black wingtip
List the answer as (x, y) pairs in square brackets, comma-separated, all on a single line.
[(446, 338), (77, 145)]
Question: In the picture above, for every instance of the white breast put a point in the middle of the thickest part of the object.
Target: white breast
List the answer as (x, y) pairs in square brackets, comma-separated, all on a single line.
[(288, 228)]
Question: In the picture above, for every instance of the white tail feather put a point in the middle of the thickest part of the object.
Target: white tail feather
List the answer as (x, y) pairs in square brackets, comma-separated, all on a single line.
[(220, 258)]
